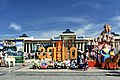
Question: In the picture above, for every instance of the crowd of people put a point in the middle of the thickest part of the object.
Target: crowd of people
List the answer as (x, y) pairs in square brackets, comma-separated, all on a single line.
[(99, 54)]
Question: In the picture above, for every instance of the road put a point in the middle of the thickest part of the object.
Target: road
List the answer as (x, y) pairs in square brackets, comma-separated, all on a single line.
[(24, 73)]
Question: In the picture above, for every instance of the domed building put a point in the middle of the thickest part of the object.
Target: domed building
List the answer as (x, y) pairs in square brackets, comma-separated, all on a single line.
[(68, 38)]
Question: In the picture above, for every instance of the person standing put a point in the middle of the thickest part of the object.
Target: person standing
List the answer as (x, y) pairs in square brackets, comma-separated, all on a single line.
[(112, 52), (1, 57), (29, 55), (36, 56), (85, 61)]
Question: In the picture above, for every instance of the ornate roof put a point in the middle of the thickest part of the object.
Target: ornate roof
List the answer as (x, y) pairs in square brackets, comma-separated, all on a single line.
[(113, 33), (24, 35), (67, 31)]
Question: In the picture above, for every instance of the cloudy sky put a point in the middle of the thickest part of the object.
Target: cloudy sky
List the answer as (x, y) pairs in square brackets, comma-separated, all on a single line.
[(47, 18)]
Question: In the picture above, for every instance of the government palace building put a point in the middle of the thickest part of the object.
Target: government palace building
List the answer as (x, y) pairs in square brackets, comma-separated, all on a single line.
[(68, 38)]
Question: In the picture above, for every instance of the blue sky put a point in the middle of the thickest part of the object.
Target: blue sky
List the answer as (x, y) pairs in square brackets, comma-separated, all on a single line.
[(47, 18)]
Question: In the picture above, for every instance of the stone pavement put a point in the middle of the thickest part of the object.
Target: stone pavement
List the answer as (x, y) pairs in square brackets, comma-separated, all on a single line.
[(24, 73), (59, 75)]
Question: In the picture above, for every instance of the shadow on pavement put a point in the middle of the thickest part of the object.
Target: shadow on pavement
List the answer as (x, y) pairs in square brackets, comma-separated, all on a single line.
[(113, 73)]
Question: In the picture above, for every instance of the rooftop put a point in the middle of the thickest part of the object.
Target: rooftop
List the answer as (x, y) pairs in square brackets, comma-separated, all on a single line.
[(67, 31), (24, 35)]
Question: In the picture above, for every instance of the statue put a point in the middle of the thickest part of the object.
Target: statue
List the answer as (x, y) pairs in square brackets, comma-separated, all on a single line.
[(105, 36), (107, 29)]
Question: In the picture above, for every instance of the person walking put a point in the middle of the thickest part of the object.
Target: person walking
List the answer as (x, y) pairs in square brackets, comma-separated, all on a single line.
[(85, 61)]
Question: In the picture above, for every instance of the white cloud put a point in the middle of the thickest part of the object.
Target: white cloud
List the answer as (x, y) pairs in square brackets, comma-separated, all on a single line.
[(76, 20), (76, 4), (89, 26), (80, 31), (7, 35), (94, 5), (85, 27), (89, 30), (15, 26), (115, 20), (44, 34)]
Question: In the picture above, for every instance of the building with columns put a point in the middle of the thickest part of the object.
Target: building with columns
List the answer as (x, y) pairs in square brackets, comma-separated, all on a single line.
[(69, 39), (117, 42), (31, 44)]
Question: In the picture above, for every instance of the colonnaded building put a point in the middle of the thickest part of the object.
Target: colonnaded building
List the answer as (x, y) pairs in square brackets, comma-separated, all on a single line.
[(68, 39)]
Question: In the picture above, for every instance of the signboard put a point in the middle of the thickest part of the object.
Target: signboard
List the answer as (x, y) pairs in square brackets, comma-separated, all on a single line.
[(19, 45), (57, 55), (1, 45)]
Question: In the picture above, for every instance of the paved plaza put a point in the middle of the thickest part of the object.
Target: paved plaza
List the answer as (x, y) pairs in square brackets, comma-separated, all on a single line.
[(25, 73)]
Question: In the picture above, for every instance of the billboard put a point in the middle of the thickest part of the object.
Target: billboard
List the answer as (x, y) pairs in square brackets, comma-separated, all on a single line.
[(19, 45), (1, 45)]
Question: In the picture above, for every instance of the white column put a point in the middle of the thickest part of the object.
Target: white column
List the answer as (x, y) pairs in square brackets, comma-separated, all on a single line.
[(63, 43), (35, 46), (94, 43), (83, 46), (117, 45), (80, 45), (77, 45), (53, 45), (89, 43), (26, 47), (29, 48)]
